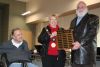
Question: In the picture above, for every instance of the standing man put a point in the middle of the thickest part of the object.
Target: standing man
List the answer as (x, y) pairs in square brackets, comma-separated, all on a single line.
[(51, 57), (85, 27)]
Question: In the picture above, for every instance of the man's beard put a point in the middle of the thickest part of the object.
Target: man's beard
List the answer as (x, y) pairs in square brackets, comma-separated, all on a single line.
[(81, 14)]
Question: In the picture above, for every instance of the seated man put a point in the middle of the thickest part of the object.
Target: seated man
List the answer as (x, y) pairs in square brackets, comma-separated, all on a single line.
[(16, 50)]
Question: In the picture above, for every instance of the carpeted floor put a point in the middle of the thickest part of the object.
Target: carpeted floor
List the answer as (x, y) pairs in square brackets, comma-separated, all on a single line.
[(38, 62)]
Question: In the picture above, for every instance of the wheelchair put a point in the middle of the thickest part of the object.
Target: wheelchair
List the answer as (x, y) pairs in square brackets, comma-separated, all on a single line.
[(5, 63)]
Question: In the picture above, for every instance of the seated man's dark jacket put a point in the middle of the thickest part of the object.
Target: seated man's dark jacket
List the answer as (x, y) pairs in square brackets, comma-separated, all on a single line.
[(15, 54)]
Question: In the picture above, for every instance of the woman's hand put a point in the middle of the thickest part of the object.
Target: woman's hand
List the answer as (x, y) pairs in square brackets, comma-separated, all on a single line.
[(53, 34)]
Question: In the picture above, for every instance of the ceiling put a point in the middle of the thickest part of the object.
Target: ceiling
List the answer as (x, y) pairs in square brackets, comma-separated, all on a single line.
[(43, 8), (23, 0)]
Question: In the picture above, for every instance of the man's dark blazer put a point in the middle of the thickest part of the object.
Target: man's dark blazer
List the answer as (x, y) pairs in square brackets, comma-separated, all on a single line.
[(86, 34)]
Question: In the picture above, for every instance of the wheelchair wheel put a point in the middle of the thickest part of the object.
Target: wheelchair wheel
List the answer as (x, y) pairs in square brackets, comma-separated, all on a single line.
[(3, 62)]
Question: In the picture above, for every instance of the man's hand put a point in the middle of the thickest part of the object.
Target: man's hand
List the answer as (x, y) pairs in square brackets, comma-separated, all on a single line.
[(76, 45)]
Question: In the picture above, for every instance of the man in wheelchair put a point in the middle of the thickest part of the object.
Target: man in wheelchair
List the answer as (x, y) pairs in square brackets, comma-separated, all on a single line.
[(16, 50)]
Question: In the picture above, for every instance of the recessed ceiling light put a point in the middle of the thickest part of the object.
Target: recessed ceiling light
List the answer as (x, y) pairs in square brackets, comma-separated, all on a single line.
[(23, 0), (26, 13)]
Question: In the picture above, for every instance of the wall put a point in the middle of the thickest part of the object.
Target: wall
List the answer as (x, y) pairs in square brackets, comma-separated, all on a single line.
[(0, 26), (97, 12), (27, 35), (4, 21), (15, 10)]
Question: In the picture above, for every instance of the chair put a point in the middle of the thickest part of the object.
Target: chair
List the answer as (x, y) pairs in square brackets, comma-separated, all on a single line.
[(34, 55), (98, 54)]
